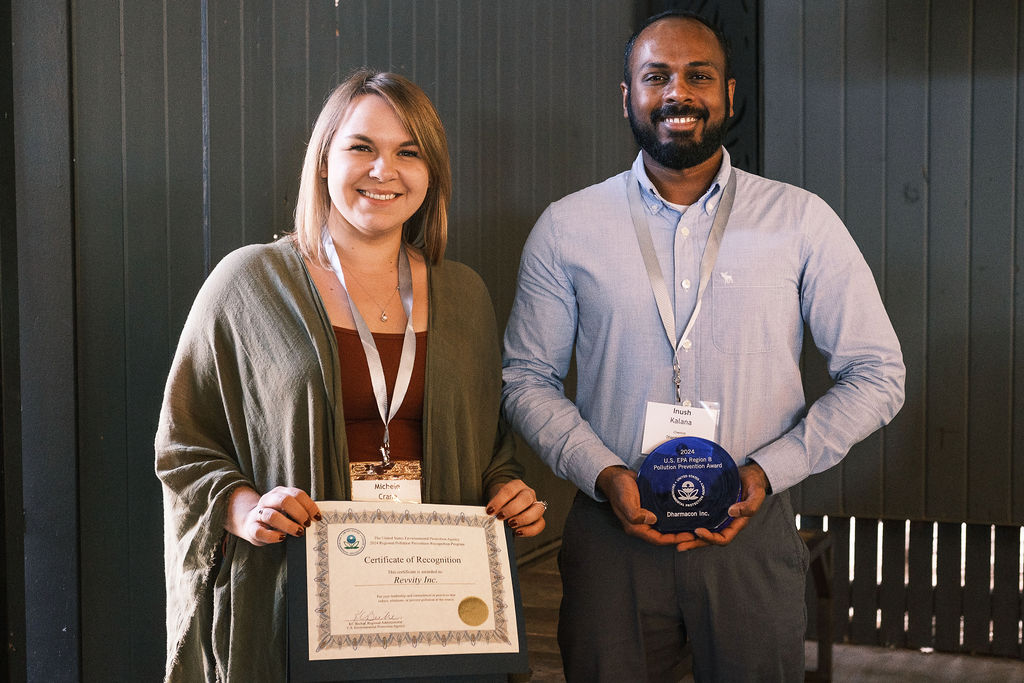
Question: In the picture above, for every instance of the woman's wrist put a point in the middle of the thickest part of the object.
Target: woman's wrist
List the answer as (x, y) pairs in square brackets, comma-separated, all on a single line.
[(241, 501)]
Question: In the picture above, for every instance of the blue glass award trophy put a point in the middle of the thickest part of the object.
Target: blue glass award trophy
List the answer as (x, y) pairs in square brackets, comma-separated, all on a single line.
[(689, 483)]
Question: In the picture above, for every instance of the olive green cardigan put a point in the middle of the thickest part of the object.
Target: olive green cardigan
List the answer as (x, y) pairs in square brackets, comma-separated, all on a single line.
[(254, 398)]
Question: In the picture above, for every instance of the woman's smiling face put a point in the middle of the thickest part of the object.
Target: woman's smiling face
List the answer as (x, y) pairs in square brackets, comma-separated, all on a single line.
[(375, 175)]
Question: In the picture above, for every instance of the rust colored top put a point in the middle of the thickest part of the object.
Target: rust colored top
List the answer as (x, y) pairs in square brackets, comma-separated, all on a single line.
[(363, 426)]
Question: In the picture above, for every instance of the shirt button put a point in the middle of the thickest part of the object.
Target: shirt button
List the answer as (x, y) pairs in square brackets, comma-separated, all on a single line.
[(685, 284), (684, 231), (686, 403), (687, 344)]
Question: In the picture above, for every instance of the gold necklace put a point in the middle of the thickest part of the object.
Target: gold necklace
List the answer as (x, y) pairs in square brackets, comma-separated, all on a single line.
[(383, 309)]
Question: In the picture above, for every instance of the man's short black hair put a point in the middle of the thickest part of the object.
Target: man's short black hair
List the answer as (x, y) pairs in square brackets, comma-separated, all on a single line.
[(723, 42)]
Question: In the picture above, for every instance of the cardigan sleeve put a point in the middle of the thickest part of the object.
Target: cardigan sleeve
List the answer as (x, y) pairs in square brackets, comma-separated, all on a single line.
[(195, 455)]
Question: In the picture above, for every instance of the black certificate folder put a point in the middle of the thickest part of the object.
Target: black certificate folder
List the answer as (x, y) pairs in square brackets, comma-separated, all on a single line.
[(365, 662)]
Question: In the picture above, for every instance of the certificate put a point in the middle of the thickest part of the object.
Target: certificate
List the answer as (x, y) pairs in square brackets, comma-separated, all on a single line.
[(396, 589)]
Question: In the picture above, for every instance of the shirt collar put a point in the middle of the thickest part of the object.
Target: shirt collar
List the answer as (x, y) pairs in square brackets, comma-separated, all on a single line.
[(708, 202)]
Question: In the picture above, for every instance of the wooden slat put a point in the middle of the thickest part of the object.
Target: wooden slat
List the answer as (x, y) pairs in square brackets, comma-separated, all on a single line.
[(864, 594), (948, 594), (254, 166), (186, 265), (1006, 593), (467, 178), (840, 527), (542, 135), (862, 207), (424, 70), (1017, 475), (990, 396), (611, 137), (101, 374), (322, 61), (48, 521), (920, 595), (892, 595), (12, 569), (146, 283), (903, 272), (977, 596), (229, 38), (402, 35), (290, 73), (823, 78), (948, 201), (352, 38), (810, 522), (376, 39), (782, 35)]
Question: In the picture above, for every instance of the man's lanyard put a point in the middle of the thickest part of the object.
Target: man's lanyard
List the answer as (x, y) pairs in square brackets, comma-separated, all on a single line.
[(654, 274), (380, 389)]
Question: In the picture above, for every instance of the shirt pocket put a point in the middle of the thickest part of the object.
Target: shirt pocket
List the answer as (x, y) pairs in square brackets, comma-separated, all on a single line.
[(750, 312)]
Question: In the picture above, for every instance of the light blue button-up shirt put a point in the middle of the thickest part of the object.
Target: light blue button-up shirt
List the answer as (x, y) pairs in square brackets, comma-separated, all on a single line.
[(786, 259)]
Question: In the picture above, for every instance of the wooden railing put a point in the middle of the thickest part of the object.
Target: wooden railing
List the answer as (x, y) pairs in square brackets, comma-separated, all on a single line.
[(946, 586)]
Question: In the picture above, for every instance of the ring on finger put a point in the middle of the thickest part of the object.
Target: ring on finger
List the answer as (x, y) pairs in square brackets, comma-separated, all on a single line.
[(542, 503)]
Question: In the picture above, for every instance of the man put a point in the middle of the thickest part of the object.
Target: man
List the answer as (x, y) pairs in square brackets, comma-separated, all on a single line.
[(634, 596)]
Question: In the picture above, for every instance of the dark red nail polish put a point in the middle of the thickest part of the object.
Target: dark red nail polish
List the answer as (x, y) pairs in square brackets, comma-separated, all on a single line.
[(490, 511), (512, 523)]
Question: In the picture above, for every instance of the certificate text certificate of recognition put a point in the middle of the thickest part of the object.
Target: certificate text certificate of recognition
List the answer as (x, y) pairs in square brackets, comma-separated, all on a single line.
[(394, 579)]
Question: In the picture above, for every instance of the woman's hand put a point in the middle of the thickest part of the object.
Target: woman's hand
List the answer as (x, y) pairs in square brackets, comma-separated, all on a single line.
[(281, 512), (517, 504)]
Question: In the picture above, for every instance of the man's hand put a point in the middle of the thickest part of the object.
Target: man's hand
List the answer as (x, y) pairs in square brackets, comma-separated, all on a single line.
[(618, 484), (754, 484)]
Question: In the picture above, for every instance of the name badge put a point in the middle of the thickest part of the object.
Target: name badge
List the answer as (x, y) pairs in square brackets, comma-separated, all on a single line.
[(666, 421), (401, 483)]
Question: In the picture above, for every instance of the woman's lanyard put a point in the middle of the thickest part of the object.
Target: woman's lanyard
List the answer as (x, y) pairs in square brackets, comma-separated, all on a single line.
[(380, 389), (654, 274)]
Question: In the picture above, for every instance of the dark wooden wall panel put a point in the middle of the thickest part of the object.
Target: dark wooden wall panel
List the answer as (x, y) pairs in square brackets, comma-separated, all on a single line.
[(903, 116), (1018, 288), (48, 517), (102, 411), (147, 333), (228, 124), (993, 164), (145, 285), (949, 169), (185, 245), (902, 269), (822, 27), (926, 99)]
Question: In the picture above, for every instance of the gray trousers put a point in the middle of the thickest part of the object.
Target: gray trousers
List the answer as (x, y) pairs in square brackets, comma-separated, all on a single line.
[(629, 608)]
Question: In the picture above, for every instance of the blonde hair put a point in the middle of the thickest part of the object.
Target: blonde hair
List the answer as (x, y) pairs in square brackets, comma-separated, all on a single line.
[(427, 229)]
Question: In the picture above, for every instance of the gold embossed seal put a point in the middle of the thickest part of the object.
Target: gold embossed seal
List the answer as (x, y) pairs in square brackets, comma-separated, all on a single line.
[(473, 611)]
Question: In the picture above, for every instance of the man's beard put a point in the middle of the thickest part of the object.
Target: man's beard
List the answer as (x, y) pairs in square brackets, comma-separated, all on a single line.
[(681, 150)]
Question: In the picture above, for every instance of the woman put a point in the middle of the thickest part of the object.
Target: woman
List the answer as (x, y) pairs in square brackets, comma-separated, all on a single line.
[(255, 424)]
